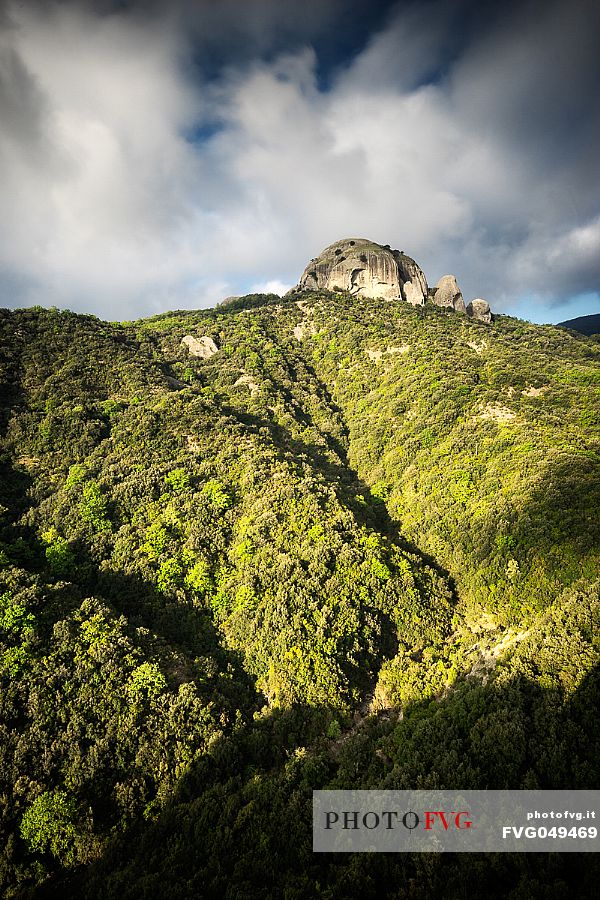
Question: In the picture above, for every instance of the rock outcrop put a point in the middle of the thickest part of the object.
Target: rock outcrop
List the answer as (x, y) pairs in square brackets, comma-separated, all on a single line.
[(480, 309), (203, 347), (367, 269), (448, 293)]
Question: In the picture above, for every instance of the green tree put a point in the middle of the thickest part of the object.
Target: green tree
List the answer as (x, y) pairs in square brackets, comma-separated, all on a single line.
[(49, 825), (94, 506), (58, 552)]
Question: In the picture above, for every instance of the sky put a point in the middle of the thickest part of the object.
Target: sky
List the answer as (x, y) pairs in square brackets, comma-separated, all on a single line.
[(166, 155)]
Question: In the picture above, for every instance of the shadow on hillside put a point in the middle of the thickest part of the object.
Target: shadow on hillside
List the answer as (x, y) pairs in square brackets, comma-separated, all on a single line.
[(238, 824), (193, 631), (11, 388), (565, 503), (21, 540), (350, 489), (15, 482), (180, 626)]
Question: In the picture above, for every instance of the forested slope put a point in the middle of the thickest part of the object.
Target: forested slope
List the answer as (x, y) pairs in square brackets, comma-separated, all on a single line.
[(357, 546)]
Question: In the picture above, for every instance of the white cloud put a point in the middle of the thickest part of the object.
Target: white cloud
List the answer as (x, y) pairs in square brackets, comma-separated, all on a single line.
[(107, 206), (271, 287)]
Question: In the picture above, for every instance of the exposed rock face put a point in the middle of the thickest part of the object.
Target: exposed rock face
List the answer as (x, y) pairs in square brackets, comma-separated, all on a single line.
[(448, 293), (413, 293), (203, 347), (415, 288), (366, 269), (480, 309)]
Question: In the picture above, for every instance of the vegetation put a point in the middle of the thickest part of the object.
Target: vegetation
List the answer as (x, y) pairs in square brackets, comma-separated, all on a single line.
[(356, 547)]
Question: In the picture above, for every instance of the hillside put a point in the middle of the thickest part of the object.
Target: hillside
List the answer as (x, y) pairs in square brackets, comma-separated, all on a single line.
[(587, 325), (346, 542)]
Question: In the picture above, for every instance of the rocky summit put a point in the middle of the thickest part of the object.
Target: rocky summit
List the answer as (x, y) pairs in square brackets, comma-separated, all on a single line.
[(364, 268)]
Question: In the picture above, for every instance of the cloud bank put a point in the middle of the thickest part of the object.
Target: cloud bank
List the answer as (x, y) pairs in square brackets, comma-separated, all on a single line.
[(156, 157)]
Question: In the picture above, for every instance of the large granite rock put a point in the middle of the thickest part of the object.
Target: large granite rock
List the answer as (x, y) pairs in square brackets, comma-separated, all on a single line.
[(480, 310), (367, 269), (448, 293)]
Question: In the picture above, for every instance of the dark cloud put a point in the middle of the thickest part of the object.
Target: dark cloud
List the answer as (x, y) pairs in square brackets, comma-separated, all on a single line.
[(22, 105)]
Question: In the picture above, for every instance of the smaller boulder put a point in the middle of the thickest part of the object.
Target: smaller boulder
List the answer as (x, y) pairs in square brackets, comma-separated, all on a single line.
[(480, 310), (203, 347), (448, 293)]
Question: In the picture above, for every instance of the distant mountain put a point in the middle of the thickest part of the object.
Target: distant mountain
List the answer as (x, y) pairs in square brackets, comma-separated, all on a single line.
[(322, 541), (587, 325)]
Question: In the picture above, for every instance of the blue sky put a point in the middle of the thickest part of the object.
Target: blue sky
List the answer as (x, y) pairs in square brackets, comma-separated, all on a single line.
[(160, 156)]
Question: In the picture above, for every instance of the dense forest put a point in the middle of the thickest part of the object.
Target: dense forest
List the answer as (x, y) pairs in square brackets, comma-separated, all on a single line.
[(355, 544)]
